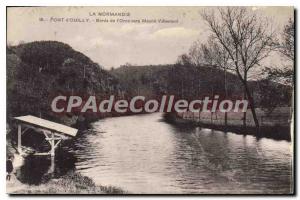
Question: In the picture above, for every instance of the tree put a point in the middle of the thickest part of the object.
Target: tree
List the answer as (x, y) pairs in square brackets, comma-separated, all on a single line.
[(216, 55), (284, 75), (287, 49), (246, 38), (272, 95), (197, 54), (183, 59)]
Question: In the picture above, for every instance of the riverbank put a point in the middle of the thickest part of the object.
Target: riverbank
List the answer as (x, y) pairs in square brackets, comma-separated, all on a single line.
[(71, 183), (269, 128)]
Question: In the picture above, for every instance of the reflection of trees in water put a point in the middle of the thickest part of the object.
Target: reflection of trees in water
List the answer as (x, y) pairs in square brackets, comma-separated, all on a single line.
[(33, 169), (36, 168)]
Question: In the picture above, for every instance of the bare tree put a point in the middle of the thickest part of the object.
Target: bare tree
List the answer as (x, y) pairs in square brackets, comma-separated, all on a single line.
[(183, 59), (197, 53), (287, 47), (285, 75), (210, 54), (216, 55), (247, 39)]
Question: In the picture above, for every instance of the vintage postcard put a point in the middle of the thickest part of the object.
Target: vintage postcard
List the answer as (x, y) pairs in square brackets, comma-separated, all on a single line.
[(150, 100)]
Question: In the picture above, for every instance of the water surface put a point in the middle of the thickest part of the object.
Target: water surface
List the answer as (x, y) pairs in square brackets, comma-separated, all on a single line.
[(144, 154)]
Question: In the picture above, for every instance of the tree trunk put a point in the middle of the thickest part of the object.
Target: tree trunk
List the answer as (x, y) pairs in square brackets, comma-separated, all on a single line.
[(251, 102), (211, 113), (245, 113), (226, 95), (199, 115)]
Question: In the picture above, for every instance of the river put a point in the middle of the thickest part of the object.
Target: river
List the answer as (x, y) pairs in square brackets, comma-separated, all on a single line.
[(144, 154)]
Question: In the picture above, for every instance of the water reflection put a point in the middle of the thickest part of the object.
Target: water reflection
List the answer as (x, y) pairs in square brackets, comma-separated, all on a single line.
[(143, 154), (39, 169)]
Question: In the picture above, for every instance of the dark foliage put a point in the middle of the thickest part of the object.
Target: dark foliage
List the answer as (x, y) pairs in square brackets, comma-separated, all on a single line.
[(38, 71), (190, 82)]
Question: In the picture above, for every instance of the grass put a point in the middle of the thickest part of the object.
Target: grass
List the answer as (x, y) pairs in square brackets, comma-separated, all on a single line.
[(72, 183), (276, 126)]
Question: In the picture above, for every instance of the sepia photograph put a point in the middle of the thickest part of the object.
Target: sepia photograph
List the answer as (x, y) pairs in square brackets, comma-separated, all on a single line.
[(150, 100)]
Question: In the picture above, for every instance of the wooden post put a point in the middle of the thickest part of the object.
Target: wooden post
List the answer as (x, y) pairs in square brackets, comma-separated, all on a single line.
[(52, 153), (52, 145), (19, 139), (52, 165)]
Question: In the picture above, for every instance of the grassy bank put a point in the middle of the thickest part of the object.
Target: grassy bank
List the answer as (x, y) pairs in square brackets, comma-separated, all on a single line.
[(277, 131), (72, 183)]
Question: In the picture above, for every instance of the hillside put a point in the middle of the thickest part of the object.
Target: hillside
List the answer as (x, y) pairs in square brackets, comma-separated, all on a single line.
[(39, 71), (189, 81)]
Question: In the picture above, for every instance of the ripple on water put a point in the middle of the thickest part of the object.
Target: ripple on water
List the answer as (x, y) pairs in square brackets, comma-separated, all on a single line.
[(143, 154)]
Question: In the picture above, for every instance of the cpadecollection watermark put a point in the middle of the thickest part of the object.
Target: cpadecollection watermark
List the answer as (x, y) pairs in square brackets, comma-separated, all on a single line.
[(139, 104)]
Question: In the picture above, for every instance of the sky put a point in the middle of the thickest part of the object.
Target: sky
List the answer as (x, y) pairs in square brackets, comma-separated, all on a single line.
[(112, 44)]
